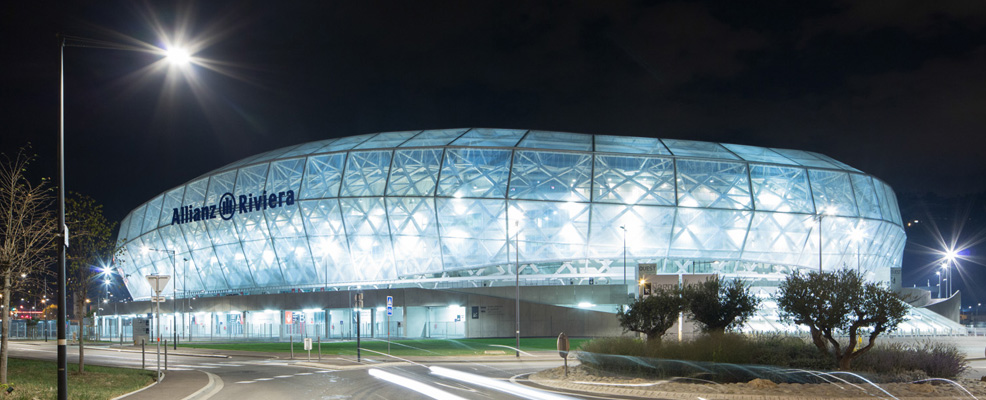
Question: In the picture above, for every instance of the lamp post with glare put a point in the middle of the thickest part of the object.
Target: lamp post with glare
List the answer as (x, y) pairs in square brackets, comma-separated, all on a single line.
[(939, 283), (175, 56)]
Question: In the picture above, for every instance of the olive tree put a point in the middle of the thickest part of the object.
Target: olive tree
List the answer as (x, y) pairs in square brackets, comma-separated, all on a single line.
[(719, 305), (653, 315), (838, 303)]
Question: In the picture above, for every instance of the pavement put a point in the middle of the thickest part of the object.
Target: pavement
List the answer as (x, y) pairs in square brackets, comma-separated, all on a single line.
[(199, 374)]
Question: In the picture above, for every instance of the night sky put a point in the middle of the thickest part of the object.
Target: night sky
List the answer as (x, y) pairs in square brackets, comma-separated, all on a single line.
[(896, 89)]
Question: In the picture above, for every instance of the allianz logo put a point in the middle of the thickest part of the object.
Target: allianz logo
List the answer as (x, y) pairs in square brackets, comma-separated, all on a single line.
[(228, 205)]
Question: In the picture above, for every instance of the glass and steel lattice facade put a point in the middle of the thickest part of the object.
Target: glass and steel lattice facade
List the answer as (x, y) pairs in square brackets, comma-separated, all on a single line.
[(466, 206)]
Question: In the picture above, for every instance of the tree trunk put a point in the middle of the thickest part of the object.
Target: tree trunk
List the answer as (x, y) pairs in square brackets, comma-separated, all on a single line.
[(6, 330), (845, 362), (80, 314), (654, 336)]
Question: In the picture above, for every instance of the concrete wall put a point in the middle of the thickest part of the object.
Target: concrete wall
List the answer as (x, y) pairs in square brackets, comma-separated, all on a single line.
[(948, 308)]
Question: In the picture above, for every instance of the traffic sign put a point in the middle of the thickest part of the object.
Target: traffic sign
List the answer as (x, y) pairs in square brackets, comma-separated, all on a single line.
[(158, 299), (308, 343), (158, 282), (390, 306)]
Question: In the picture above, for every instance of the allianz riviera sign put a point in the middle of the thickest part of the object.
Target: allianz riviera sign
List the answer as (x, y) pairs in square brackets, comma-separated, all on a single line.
[(228, 205)]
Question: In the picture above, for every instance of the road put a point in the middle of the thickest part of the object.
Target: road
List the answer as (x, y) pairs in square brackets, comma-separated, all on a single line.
[(260, 377)]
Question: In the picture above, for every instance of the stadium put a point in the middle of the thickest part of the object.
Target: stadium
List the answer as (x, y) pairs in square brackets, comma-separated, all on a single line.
[(446, 231)]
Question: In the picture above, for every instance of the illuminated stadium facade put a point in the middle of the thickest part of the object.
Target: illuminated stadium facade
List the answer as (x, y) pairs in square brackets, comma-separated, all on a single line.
[(458, 210)]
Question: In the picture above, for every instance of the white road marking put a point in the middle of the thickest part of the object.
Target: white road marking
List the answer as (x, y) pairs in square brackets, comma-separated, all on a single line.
[(284, 376), (303, 373), (264, 379), (246, 382)]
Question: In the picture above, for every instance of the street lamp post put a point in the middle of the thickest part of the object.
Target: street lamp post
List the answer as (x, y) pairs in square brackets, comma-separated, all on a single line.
[(624, 228), (175, 56), (517, 283), (939, 283)]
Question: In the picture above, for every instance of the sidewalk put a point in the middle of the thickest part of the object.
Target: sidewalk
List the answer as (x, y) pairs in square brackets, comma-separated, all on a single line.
[(175, 385)]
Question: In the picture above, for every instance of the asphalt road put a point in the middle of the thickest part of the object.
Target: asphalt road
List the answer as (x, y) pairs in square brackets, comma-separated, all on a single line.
[(267, 378)]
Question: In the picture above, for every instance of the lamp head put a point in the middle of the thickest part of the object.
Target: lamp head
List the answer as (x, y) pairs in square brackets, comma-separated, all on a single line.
[(178, 56)]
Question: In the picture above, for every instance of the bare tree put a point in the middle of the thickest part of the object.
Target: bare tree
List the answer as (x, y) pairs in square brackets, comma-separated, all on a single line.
[(92, 246), (27, 233)]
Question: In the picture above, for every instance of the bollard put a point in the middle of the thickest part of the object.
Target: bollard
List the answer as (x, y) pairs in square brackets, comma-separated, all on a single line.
[(165, 355), (142, 357), (320, 348), (291, 338)]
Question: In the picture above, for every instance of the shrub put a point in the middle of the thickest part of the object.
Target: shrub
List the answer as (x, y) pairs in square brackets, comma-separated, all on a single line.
[(740, 358), (933, 359)]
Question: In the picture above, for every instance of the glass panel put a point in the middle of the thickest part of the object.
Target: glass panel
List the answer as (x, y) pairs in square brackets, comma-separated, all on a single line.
[(121, 235), (296, 260), (207, 264), (648, 231), (836, 239), (557, 140), (475, 173), (631, 145), (711, 184), (369, 238), (415, 172), (761, 154), (262, 260), (346, 143), (778, 188), (473, 232), (885, 210), (231, 260), (832, 192), (804, 158), (152, 214), (322, 176), (327, 240), (540, 175), (634, 180), (439, 137), (892, 201), (709, 234), (414, 226), (137, 221), (490, 137), (366, 173), (387, 140), (221, 230), (550, 230), (691, 148), (250, 184), (869, 204), (777, 238), (834, 161), (285, 176), (308, 148), (170, 207)]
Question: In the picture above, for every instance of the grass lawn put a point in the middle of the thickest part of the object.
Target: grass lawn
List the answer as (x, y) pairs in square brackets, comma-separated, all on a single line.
[(428, 347), (34, 379)]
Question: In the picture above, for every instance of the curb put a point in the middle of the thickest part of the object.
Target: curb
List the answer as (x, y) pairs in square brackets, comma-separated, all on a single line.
[(655, 394), (141, 389), (171, 353), (214, 386)]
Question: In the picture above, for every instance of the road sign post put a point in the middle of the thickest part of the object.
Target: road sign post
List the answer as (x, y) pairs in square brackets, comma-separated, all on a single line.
[(390, 312), (563, 349), (359, 310), (158, 283)]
